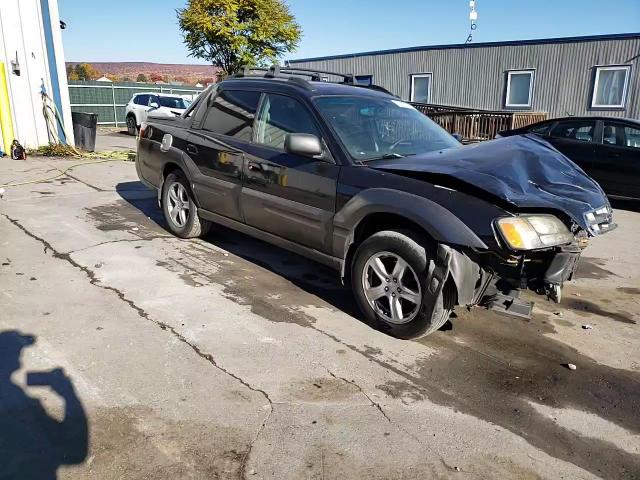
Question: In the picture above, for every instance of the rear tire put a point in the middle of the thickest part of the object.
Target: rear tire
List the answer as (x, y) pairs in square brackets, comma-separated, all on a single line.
[(179, 208), (132, 125), (390, 268)]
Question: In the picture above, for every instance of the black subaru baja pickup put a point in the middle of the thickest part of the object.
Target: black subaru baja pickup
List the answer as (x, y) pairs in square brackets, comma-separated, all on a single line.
[(356, 179)]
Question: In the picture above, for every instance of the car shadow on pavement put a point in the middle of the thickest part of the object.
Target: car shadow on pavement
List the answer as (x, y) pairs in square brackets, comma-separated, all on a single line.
[(630, 205), (34, 444), (306, 274)]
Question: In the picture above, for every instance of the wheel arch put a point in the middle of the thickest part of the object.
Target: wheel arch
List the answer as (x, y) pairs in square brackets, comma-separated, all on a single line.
[(168, 168), (384, 209), (133, 115)]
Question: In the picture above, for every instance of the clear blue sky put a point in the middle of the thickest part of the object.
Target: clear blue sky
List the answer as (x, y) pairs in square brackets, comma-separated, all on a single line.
[(146, 30)]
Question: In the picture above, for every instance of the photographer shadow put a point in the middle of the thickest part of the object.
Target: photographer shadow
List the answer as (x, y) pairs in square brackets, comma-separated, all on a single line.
[(34, 444)]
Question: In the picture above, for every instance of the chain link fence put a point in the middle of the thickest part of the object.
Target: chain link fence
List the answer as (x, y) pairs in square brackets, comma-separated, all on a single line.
[(109, 100)]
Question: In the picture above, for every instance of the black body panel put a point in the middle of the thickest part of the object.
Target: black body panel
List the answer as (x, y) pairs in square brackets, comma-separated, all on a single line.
[(220, 161), (290, 196)]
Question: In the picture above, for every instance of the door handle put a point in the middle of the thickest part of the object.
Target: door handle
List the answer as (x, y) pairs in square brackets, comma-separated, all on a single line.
[(254, 167), (192, 149)]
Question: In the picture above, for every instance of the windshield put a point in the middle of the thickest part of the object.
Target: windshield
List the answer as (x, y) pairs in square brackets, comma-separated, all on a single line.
[(372, 128), (173, 102)]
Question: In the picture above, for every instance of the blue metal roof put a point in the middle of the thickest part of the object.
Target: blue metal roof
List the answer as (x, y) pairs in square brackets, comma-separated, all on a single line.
[(540, 41)]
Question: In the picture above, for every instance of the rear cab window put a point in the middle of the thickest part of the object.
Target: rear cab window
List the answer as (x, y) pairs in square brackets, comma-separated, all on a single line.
[(231, 113)]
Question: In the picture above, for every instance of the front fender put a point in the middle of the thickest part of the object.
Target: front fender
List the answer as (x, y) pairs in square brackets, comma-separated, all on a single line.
[(442, 225)]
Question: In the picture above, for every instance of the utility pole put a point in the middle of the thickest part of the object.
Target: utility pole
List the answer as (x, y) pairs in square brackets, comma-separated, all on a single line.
[(473, 17)]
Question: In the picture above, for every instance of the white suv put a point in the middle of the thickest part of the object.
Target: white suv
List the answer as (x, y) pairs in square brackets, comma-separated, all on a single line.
[(157, 104)]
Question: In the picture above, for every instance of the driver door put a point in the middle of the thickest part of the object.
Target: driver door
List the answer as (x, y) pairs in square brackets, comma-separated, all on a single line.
[(288, 195)]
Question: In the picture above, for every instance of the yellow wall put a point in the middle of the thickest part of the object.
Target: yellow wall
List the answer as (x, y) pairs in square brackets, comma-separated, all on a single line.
[(6, 124)]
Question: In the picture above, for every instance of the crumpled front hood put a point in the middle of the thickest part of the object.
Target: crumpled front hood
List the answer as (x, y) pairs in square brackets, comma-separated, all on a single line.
[(525, 171)]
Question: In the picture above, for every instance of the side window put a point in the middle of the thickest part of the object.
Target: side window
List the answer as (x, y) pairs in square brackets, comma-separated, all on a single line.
[(632, 137), (280, 115), (232, 113), (620, 135), (579, 130), (153, 99), (540, 129), (141, 100)]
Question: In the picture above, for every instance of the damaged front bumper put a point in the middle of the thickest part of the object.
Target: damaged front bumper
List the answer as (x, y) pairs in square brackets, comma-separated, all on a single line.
[(495, 282)]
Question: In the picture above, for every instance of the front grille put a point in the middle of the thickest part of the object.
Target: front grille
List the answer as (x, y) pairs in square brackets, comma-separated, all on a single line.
[(600, 220)]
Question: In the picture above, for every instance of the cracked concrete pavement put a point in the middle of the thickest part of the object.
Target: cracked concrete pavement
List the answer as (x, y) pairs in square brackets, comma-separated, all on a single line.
[(229, 358)]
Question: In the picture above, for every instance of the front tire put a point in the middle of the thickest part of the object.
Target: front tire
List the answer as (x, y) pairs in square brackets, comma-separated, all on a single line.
[(389, 275), (179, 208), (132, 125)]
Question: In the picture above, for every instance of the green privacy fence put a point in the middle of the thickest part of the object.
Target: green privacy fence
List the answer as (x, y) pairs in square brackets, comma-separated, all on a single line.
[(108, 99)]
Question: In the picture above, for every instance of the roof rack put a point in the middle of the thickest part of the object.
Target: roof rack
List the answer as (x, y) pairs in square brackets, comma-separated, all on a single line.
[(293, 74)]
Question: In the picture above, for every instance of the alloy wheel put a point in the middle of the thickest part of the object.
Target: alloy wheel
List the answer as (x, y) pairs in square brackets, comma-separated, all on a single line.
[(392, 287), (178, 204)]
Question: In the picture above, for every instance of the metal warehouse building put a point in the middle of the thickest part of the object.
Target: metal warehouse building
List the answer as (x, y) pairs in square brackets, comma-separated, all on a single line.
[(595, 75)]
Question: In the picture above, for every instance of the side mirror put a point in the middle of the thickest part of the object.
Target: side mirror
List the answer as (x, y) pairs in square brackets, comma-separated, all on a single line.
[(154, 105), (457, 136), (303, 144)]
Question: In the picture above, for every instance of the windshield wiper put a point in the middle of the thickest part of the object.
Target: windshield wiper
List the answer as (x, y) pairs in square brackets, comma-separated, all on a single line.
[(389, 156)]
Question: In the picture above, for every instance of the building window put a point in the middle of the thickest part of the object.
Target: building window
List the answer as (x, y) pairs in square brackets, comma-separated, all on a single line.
[(519, 89), (364, 80), (610, 86), (421, 87)]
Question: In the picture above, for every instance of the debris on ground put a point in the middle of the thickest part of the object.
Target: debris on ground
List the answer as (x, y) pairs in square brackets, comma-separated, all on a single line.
[(587, 327), (56, 150), (571, 366)]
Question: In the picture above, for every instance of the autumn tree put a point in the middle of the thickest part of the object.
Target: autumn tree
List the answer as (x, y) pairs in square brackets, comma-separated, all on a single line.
[(71, 74), (233, 33), (86, 71), (142, 78), (154, 77)]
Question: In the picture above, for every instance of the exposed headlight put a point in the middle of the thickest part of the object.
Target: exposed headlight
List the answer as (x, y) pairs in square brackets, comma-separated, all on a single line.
[(529, 232)]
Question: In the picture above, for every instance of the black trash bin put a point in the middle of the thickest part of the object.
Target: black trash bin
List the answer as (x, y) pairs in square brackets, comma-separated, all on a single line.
[(85, 126)]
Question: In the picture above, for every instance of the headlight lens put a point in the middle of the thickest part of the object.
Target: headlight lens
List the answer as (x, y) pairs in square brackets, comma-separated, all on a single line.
[(529, 232)]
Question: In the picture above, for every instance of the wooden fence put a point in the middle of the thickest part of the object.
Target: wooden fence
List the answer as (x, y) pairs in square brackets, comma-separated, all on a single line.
[(476, 125)]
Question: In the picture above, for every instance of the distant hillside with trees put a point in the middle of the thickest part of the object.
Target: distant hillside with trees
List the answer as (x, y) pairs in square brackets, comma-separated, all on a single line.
[(142, 72)]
